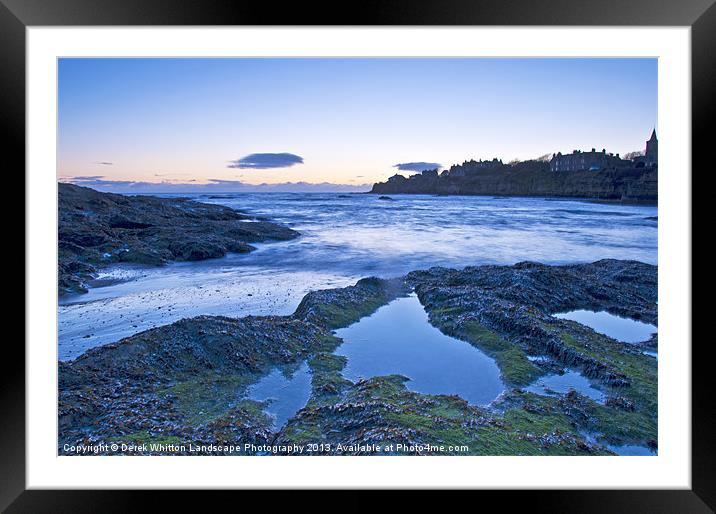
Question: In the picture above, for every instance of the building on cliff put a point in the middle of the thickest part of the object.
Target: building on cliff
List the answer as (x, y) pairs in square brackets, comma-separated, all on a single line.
[(595, 161), (473, 166), (580, 161), (650, 157), (651, 154)]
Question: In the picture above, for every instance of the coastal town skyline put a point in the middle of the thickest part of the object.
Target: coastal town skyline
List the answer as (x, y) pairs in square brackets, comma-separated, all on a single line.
[(335, 124)]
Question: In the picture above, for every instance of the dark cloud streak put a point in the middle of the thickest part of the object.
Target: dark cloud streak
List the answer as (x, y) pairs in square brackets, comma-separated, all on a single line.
[(263, 161), (417, 166)]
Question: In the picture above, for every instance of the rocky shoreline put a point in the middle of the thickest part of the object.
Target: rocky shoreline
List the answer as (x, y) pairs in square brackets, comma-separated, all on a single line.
[(99, 229), (184, 383), (530, 179)]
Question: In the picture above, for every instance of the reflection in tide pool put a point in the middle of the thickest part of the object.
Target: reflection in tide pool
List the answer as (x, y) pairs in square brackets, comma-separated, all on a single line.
[(622, 329), (286, 395), (563, 383), (398, 339)]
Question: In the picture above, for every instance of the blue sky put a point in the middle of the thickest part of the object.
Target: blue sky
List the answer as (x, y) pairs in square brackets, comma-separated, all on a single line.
[(341, 121)]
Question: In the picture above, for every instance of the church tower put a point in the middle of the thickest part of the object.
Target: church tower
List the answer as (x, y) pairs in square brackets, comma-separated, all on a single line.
[(651, 155)]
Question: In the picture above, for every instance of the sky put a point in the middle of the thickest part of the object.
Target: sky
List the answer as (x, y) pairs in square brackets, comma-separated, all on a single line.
[(335, 124)]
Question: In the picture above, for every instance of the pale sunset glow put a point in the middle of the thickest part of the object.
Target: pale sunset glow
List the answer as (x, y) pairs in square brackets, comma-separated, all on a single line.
[(184, 122)]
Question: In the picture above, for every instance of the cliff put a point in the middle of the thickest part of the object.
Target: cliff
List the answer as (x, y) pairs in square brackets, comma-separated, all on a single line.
[(630, 185)]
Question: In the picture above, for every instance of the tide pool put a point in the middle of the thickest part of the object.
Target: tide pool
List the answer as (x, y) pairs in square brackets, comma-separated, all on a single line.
[(622, 329), (398, 339)]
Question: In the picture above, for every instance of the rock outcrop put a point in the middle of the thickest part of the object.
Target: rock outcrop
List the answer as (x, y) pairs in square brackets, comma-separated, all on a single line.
[(638, 185), (186, 383), (97, 229)]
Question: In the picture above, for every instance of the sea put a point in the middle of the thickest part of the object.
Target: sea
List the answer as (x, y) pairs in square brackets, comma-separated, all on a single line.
[(345, 237)]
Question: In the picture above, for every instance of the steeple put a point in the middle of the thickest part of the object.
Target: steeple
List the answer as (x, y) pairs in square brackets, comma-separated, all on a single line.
[(651, 154)]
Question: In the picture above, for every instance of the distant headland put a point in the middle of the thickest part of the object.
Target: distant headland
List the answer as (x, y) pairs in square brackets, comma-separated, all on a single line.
[(594, 175)]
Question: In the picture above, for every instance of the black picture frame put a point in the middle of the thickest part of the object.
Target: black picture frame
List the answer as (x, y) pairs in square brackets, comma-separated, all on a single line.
[(17, 15)]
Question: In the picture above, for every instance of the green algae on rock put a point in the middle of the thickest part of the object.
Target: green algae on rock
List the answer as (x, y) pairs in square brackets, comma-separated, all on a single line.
[(187, 381), (506, 311)]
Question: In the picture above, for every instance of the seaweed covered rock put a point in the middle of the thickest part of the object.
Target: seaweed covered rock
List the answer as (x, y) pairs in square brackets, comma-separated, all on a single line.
[(182, 380), (97, 229), (382, 413), (506, 311), (187, 382), (336, 308)]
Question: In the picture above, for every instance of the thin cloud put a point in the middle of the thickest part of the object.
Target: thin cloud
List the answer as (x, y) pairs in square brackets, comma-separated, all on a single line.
[(417, 166), (106, 163), (212, 186), (84, 178), (262, 161)]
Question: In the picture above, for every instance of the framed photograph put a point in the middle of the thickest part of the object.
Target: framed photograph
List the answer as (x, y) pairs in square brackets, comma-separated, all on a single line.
[(432, 246)]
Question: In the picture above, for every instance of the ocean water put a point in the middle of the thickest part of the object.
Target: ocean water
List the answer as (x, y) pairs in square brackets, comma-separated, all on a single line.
[(345, 237)]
